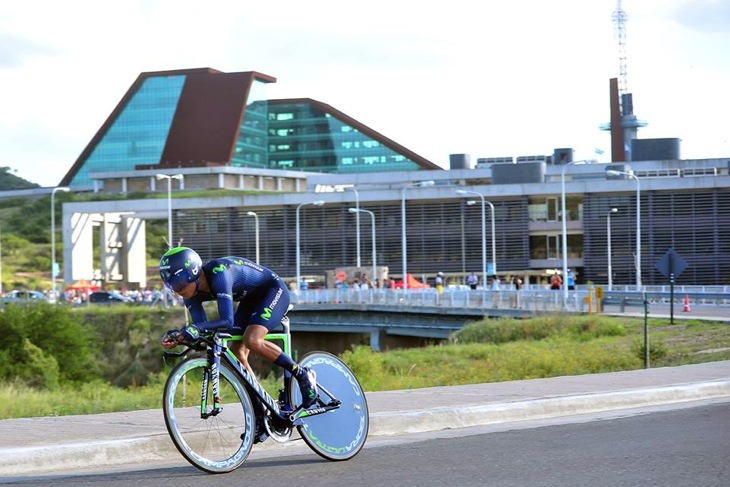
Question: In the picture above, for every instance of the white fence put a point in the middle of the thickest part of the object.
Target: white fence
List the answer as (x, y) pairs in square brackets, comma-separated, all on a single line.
[(535, 298)]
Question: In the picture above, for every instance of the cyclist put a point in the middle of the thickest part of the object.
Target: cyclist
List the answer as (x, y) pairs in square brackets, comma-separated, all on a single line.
[(262, 297)]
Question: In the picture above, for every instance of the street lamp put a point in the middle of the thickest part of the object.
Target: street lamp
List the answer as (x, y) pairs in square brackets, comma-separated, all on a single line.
[(357, 211), (169, 203), (256, 223), (565, 231), (420, 184), (484, 237), (357, 223), (54, 264), (608, 228), (299, 273), (612, 172)]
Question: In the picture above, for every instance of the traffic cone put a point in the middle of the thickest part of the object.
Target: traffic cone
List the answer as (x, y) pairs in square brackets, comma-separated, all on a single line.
[(686, 304)]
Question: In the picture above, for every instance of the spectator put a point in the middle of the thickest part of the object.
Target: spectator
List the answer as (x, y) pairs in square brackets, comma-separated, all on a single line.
[(571, 280), (517, 283), (556, 282), (495, 288), (439, 282), (472, 280)]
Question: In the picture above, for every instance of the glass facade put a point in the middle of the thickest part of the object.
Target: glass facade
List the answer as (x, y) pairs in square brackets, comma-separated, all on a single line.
[(299, 135), (138, 134), (303, 137), (252, 143)]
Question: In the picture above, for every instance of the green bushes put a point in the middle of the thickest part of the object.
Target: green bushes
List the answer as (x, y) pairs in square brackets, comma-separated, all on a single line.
[(56, 360), (500, 350), (42, 346), (510, 330)]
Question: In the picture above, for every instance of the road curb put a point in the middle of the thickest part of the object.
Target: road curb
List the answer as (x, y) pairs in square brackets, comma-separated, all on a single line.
[(420, 421), (75, 456)]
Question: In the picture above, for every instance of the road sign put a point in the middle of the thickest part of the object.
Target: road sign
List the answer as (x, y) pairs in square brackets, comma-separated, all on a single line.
[(671, 265)]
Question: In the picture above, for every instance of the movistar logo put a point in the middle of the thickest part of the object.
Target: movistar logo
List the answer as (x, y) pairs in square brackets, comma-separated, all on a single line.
[(218, 269), (188, 263), (238, 262), (267, 314)]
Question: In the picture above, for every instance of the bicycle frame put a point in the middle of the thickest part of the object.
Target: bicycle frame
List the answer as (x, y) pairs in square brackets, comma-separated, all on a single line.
[(217, 351)]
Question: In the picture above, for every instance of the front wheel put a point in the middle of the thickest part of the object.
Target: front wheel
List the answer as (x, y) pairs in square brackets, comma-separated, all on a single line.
[(339, 434), (217, 443)]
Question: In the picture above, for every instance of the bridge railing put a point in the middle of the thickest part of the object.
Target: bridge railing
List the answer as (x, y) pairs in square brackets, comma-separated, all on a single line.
[(536, 298)]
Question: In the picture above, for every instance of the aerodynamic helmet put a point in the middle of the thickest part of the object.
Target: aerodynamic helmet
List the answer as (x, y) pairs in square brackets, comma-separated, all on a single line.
[(179, 267)]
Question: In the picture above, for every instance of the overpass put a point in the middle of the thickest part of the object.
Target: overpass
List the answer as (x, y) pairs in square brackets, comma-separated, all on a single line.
[(389, 325), (383, 319)]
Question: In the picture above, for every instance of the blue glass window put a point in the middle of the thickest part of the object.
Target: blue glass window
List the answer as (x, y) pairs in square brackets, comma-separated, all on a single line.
[(138, 135)]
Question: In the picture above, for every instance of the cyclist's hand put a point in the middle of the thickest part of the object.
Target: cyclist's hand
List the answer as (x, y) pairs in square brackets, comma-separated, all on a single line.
[(189, 334), (171, 339)]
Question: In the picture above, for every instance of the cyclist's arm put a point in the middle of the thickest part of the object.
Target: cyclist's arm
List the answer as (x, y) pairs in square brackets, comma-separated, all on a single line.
[(221, 285)]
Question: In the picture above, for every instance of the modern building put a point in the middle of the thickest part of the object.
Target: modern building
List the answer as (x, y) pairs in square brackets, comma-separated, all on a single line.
[(283, 157), (194, 118)]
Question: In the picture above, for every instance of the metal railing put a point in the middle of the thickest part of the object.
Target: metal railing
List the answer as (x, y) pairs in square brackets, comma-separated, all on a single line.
[(535, 298)]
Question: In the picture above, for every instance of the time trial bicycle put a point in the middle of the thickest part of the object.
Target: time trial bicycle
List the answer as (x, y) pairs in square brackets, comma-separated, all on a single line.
[(215, 410)]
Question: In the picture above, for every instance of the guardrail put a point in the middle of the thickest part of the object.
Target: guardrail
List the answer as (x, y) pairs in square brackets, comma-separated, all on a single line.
[(534, 299)]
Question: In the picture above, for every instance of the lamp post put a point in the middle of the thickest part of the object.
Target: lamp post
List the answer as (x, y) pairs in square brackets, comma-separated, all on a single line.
[(484, 235), (299, 273), (357, 211), (256, 224), (612, 172), (54, 264), (357, 223), (169, 203), (608, 229), (565, 231), (420, 184)]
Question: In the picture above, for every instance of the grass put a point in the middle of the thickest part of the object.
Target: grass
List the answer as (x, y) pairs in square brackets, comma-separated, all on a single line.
[(488, 351)]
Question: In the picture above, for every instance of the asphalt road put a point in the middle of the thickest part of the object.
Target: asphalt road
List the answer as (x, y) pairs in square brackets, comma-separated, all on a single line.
[(663, 446)]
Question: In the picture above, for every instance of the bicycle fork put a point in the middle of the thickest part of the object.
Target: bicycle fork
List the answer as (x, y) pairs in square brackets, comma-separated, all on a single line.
[(212, 375)]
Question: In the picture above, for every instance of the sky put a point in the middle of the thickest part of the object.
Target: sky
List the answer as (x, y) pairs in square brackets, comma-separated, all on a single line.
[(486, 78)]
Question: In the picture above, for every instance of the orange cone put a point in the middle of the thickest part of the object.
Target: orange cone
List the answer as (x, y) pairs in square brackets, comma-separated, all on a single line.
[(686, 309)]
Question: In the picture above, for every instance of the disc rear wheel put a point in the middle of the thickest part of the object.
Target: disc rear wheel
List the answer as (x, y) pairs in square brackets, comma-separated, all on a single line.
[(339, 434)]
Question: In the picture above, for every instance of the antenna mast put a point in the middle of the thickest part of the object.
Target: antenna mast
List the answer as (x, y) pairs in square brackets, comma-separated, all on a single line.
[(619, 21)]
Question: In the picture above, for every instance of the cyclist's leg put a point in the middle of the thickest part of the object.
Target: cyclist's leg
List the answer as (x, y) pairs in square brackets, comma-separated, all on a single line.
[(269, 310), (238, 347)]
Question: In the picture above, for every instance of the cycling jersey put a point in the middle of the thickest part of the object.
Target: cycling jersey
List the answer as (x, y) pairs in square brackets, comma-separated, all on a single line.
[(262, 297)]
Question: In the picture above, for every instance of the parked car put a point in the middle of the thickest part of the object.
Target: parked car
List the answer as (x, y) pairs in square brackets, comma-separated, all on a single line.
[(23, 296), (108, 297)]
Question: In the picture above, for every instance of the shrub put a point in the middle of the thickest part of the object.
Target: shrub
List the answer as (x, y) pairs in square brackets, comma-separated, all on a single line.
[(505, 330), (50, 329), (657, 350), (366, 365), (40, 371)]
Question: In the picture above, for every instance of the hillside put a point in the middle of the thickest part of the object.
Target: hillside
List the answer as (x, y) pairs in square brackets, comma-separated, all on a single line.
[(10, 181)]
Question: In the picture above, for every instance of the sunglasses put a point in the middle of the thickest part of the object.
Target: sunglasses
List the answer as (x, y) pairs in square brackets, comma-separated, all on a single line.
[(177, 283)]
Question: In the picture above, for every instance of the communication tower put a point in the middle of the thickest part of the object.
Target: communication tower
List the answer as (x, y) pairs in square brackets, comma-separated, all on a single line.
[(624, 124)]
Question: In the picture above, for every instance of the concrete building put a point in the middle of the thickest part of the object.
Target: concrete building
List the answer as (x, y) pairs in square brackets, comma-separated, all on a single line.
[(277, 157)]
